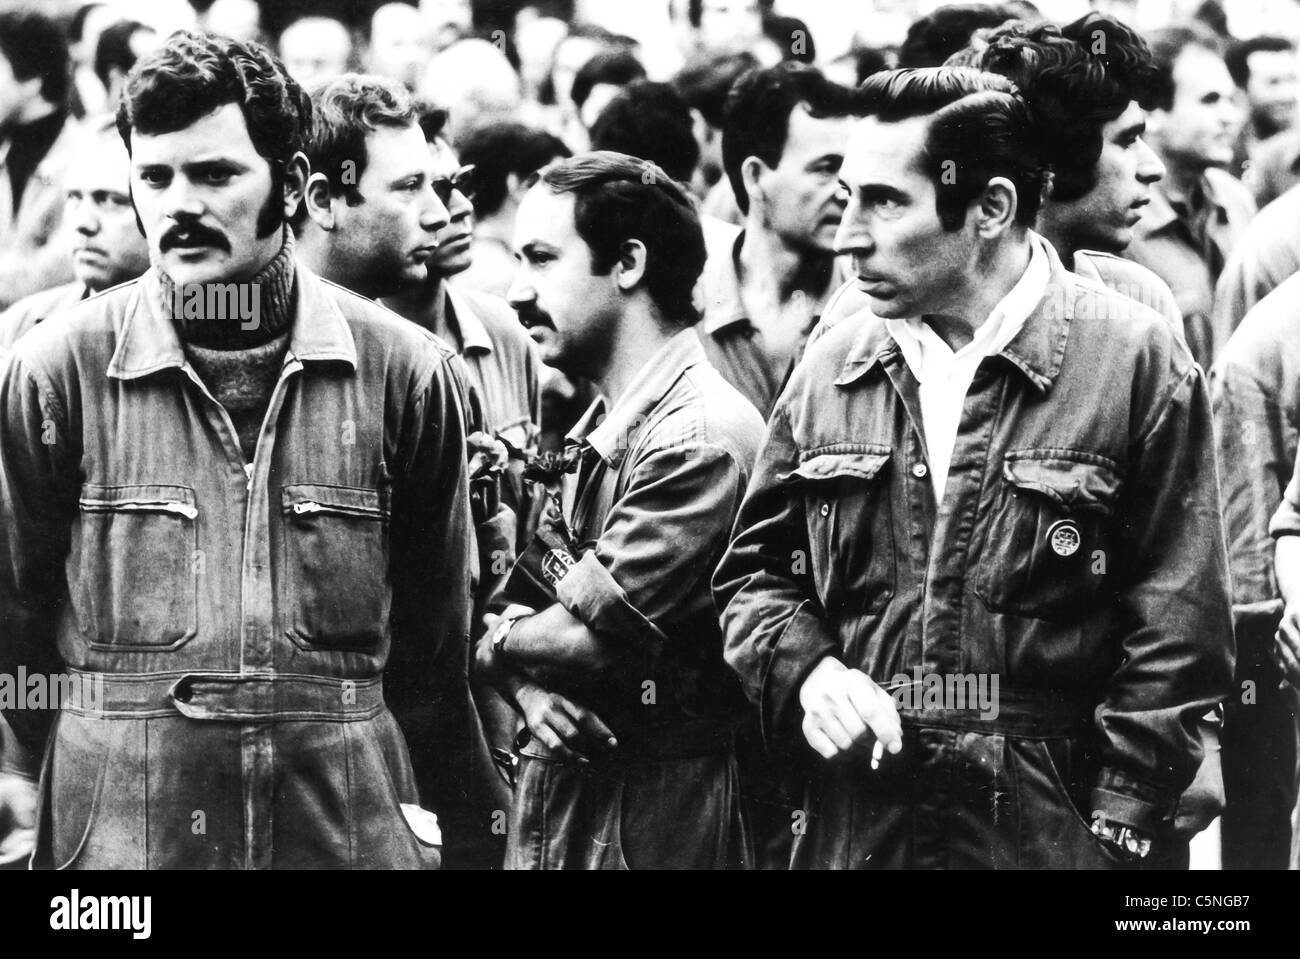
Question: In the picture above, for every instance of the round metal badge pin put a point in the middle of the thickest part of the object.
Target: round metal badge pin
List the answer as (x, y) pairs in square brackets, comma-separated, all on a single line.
[(1064, 537)]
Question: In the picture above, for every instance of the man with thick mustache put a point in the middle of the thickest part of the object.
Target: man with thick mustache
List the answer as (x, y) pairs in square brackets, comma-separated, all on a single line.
[(1004, 471), (222, 522), (616, 665)]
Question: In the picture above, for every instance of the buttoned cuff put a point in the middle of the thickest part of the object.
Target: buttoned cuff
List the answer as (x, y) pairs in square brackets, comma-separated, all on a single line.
[(1124, 800), (804, 642), (590, 592)]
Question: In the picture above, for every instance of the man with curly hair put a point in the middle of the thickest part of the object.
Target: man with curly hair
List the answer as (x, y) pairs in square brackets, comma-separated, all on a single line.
[(219, 484)]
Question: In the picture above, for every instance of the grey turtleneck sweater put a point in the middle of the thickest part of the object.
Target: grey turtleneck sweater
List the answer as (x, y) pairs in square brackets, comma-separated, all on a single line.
[(240, 366)]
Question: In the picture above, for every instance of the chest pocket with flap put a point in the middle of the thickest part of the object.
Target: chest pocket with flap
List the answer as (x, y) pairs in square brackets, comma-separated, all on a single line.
[(134, 566), (850, 526), (336, 591), (1049, 535)]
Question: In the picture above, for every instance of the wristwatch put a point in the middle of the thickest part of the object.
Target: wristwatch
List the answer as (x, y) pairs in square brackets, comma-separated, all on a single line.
[(1128, 842), (501, 632)]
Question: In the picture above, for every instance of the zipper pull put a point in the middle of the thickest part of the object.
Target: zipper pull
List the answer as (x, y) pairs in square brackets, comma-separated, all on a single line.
[(301, 508)]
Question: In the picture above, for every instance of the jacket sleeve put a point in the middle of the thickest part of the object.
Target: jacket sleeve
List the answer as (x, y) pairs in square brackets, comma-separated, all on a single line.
[(38, 497), (659, 544), (1173, 618), (431, 557), (773, 625), (1256, 443)]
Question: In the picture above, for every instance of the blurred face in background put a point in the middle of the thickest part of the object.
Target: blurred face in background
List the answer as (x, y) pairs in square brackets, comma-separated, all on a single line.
[(107, 248), (1271, 88), (536, 39), (238, 19), (475, 82), (800, 199), (447, 20), (571, 54), (399, 47), (1200, 130), (730, 25), (315, 49)]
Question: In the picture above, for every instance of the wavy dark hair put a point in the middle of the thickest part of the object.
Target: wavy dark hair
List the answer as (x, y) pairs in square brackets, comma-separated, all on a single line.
[(650, 120), (979, 128), (756, 120), (619, 198), (193, 74), (499, 149), (1075, 79)]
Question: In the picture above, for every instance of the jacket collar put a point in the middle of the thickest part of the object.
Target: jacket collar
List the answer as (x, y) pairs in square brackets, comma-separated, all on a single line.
[(1161, 214), (610, 432), (474, 336), (149, 343), (1036, 351), (724, 305)]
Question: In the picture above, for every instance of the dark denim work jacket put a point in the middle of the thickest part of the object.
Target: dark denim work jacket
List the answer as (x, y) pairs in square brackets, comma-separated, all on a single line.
[(1108, 640)]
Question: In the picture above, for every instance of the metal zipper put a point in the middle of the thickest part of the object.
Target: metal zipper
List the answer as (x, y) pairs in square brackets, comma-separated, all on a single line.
[(178, 509), (301, 509)]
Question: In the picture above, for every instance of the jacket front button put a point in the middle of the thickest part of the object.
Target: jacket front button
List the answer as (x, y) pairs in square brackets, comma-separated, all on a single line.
[(826, 509), (920, 470)]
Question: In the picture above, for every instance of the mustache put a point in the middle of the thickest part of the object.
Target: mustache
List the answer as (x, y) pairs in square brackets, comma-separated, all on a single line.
[(192, 234), (531, 315)]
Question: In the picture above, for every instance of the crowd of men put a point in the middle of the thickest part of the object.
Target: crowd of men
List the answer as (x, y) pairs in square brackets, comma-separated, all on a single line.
[(485, 441)]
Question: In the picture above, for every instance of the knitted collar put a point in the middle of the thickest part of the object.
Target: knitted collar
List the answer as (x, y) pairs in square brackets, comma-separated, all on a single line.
[(234, 316)]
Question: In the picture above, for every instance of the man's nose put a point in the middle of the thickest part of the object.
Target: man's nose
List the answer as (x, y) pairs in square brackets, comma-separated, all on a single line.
[(181, 201), (1231, 114), (435, 216), (521, 292), (852, 236), (1150, 167), (85, 218)]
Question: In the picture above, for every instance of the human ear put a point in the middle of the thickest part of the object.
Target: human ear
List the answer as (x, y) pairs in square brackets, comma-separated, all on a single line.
[(319, 201), (296, 173), (997, 205), (630, 269), (752, 172)]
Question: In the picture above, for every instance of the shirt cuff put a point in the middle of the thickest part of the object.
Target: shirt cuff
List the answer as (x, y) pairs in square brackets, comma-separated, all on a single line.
[(590, 592), (804, 642)]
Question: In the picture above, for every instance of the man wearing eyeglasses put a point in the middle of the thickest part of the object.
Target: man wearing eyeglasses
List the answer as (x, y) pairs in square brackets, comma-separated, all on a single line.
[(503, 372), (501, 360), (370, 221)]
